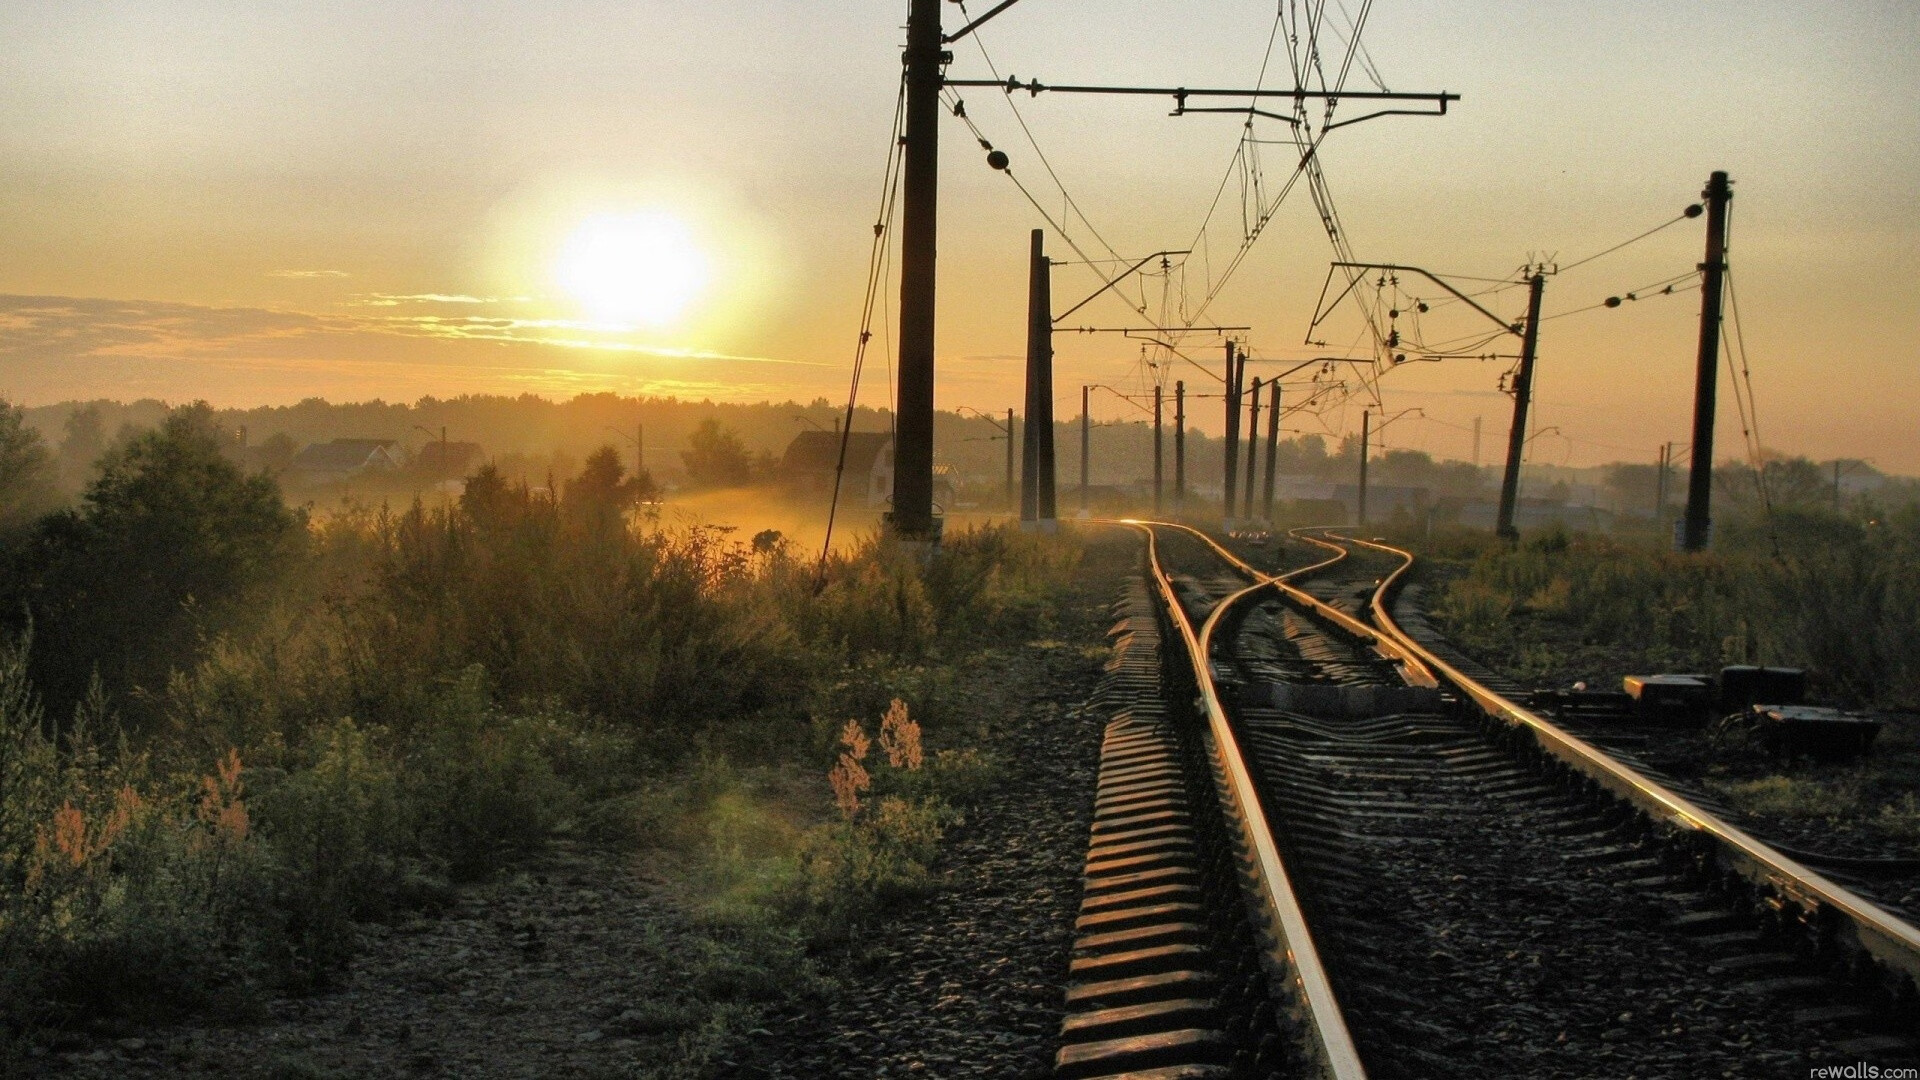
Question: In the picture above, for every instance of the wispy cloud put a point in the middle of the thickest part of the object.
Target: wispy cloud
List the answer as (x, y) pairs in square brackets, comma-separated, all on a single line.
[(56, 346), (395, 300), (309, 274)]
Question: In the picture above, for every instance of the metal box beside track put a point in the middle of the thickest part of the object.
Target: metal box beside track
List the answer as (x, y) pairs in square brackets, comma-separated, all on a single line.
[(1743, 686), (1813, 731), (1670, 698)]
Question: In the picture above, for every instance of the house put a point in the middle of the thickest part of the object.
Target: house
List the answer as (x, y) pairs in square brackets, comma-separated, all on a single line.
[(811, 458), (321, 463), (439, 458)]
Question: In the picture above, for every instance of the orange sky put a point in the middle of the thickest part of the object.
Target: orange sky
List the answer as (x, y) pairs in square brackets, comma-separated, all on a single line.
[(256, 204)]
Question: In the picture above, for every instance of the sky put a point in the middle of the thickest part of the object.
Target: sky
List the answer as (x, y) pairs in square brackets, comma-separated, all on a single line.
[(255, 203)]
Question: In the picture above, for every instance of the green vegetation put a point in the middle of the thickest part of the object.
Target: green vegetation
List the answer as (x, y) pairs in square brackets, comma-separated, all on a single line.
[(227, 733)]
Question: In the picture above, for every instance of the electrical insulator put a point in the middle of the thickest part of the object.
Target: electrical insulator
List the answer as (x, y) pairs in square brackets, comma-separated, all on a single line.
[(997, 159)]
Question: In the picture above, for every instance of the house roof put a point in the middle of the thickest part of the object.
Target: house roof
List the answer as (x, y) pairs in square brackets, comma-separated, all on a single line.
[(340, 455), (819, 451)]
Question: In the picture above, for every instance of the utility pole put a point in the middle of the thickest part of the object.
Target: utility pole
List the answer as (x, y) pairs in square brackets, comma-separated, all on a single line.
[(1700, 472), (912, 515), (1013, 505), (1522, 395), (1476, 442), (1273, 448), (1036, 492), (1253, 443), (1660, 485), (1156, 450), (1232, 464), (1365, 419), (1086, 424), (1179, 447)]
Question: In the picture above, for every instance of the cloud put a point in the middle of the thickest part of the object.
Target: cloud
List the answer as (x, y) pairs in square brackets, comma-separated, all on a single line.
[(54, 347), (393, 300), (309, 274)]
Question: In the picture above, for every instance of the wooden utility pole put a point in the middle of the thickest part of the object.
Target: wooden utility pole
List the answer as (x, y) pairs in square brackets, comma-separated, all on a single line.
[(1157, 472), (1179, 447), (1086, 424), (1273, 448), (1366, 419), (1231, 466), (1013, 504), (1522, 396), (1036, 492), (1476, 442), (1699, 526), (1253, 442), (912, 515), (1660, 483)]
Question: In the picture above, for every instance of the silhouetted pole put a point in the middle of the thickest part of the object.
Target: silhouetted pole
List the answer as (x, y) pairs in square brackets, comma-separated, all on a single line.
[(1231, 468), (1085, 424), (1476, 442), (1522, 396), (1700, 473), (1660, 486), (1179, 447), (1253, 444), (912, 515), (1036, 493), (1273, 449), (1365, 433), (1156, 450), (1011, 504)]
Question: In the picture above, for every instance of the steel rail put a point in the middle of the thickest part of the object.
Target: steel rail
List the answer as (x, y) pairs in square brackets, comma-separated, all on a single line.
[(1330, 1044), (1827, 906), (1412, 668)]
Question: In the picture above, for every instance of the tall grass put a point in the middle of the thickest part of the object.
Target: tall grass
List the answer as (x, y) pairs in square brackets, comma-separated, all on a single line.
[(421, 694), (1839, 597)]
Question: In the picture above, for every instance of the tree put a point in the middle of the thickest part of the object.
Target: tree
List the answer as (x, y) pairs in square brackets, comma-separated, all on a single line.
[(600, 496), (26, 472), (718, 458), (171, 546), (80, 450)]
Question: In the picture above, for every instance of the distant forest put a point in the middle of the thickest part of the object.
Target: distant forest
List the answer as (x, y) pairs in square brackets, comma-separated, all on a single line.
[(544, 442)]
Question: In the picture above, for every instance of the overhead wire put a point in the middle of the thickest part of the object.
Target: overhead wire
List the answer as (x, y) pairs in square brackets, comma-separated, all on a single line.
[(879, 258)]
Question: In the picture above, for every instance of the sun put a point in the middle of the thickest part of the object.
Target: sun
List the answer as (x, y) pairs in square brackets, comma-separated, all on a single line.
[(641, 267)]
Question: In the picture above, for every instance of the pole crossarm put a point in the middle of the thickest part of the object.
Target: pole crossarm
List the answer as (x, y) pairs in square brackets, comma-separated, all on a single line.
[(1117, 279), (1324, 308), (1180, 94), (1130, 331)]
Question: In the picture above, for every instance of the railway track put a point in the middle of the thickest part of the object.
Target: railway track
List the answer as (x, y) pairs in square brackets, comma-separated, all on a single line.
[(1320, 848)]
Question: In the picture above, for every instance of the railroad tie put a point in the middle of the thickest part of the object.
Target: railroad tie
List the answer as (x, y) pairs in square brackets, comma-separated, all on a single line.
[(1142, 982)]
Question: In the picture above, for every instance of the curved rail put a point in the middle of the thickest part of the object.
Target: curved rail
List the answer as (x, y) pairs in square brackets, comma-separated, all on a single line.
[(1329, 1042), (1889, 940)]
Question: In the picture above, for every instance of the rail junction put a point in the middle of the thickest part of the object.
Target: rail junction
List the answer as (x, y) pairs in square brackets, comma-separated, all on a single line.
[(1324, 845)]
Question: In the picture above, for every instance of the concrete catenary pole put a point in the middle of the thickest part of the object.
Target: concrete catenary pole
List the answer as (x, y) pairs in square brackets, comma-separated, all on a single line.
[(1179, 447), (1157, 470), (1366, 419), (1036, 492), (912, 515), (1273, 449), (1230, 468), (1699, 526), (1253, 444)]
